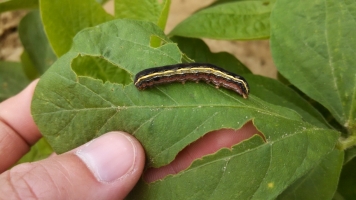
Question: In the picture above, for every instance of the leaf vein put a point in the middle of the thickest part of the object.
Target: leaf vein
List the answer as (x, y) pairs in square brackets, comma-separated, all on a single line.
[(330, 56), (220, 179), (148, 120), (167, 95), (106, 122)]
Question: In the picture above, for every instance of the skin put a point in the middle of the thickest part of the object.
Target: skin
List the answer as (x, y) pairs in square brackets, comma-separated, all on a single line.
[(73, 175)]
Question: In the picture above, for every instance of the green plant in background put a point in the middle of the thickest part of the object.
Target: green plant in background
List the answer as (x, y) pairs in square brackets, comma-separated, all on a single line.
[(88, 91)]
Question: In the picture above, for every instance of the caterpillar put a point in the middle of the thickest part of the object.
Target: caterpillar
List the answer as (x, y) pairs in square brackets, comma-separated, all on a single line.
[(192, 72)]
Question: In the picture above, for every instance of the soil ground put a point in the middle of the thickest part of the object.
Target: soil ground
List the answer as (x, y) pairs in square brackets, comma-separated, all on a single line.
[(254, 54)]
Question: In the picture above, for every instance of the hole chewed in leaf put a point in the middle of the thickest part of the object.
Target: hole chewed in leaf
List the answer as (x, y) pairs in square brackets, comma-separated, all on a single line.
[(98, 68), (208, 144)]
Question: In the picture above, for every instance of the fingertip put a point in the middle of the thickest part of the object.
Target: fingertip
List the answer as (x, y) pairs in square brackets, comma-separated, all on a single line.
[(112, 156), (115, 158), (105, 168), (15, 112)]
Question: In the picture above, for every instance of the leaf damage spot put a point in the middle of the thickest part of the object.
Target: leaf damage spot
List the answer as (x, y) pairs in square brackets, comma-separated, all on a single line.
[(99, 68), (209, 144), (270, 185)]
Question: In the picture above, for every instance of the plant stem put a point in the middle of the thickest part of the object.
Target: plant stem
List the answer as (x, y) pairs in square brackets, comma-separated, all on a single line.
[(345, 143)]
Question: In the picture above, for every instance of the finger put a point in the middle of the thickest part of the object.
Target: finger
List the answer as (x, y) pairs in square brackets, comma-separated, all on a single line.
[(208, 144), (106, 168), (17, 128)]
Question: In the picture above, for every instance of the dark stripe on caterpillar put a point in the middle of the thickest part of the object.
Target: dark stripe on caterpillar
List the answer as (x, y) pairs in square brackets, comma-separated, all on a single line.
[(192, 72)]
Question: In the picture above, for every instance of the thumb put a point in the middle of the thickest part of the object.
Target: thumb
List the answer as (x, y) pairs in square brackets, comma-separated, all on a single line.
[(106, 168)]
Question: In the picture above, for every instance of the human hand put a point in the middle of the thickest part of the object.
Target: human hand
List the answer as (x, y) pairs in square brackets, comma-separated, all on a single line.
[(105, 168)]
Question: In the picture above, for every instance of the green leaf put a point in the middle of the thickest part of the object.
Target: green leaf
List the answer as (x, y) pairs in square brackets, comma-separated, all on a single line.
[(119, 48), (35, 42), (18, 4), (62, 20), (346, 188), (197, 50), (350, 154), (149, 10), (321, 181), (313, 46), (253, 169), (102, 1), (38, 151), (277, 93), (238, 20), (165, 119), (12, 79), (28, 66), (98, 68)]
